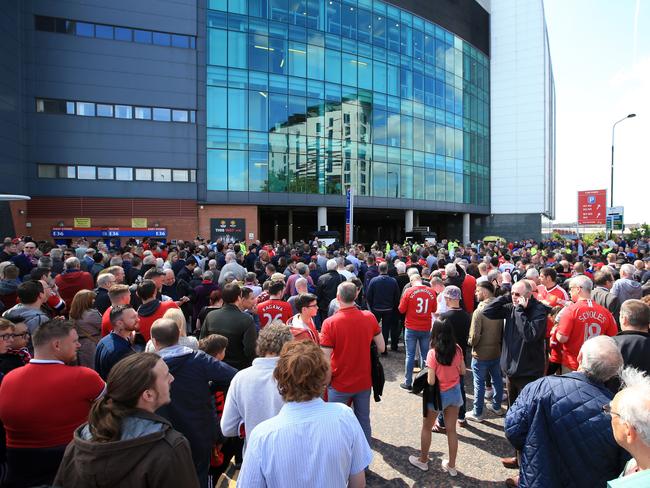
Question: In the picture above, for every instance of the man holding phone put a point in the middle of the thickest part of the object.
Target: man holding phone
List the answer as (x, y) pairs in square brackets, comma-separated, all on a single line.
[(523, 353)]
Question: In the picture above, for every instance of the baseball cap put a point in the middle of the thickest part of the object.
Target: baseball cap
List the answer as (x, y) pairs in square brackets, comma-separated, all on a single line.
[(452, 292)]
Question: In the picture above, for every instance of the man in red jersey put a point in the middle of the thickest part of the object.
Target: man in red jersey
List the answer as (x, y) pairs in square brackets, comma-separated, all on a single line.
[(151, 309), (274, 308), (345, 339), (418, 303), (42, 403), (549, 292), (119, 295), (581, 321)]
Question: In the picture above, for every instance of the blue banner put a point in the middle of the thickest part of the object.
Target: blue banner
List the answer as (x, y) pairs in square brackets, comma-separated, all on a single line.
[(70, 232)]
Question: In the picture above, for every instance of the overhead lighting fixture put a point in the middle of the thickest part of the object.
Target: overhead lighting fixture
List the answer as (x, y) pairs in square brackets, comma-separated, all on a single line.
[(282, 63), (358, 62), (297, 51), (264, 47), (263, 94)]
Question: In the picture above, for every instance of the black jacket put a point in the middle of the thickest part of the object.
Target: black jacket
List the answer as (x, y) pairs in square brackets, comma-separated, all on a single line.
[(326, 289), (239, 328), (102, 301), (523, 351), (635, 349), (377, 372)]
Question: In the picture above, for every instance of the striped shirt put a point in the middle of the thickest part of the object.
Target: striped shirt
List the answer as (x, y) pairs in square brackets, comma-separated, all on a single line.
[(312, 443)]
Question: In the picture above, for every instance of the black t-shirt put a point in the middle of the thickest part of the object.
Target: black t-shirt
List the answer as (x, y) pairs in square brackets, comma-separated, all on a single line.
[(460, 322)]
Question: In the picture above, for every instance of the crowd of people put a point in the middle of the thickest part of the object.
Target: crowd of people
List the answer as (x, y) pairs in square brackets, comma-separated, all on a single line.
[(142, 363)]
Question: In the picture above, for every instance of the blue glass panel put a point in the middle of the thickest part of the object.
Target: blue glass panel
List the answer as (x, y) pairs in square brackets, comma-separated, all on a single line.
[(257, 8), (218, 5), (297, 54), (332, 66), (392, 180), (418, 45), (237, 170), (349, 22), (237, 6), (140, 36), (258, 110), (393, 35), (393, 83), (258, 52), (278, 83), (217, 139), (406, 182), (315, 62), (364, 70), (378, 179), (218, 20), (237, 78), (258, 141), (237, 108), (217, 107), (316, 89), (333, 17), (237, 139), (258, 165), (349, 69), (104, 31), (278, 10), (418, 183), (180, 41), (88, 30), (237, 23), (364, 26), (237, 52), (379, 77), (406, 125), (123, 34), (277, 111), (217, 42), (406, 84), (315, 14), (162, 39), (379, 30), (217, 170), (297, 86), (332, 92), (278, 56)]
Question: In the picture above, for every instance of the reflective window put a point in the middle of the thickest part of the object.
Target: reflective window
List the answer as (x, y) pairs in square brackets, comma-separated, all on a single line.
[(86, 173), (124, 174), (143, 174), (143, 113), (123, 34), (161, 39), (162, 114), (180, 116), (67, 172), (84, 29), (104, 173), (180, 175), (46, 171), (104, 110), (142, 36), (123, 112), (162, 175), (86, 109)]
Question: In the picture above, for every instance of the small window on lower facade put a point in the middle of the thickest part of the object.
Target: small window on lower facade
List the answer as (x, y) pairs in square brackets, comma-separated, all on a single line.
[(124, 174), (105, 173), (47, 171), (86, 172), (181, 175), (143, 174), (162, 174)]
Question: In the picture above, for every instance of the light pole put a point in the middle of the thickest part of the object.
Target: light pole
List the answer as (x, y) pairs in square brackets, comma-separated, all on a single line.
[(611, 191)]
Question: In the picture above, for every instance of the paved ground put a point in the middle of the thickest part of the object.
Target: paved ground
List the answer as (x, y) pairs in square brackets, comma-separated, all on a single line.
[(396, 422)]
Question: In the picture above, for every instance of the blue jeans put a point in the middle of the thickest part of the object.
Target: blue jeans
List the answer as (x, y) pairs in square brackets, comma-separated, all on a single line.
[(413, 339), (360, 405), (479, 370)]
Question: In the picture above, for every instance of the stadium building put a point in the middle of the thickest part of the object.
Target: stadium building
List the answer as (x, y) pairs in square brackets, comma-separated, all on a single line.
[(252, 118)]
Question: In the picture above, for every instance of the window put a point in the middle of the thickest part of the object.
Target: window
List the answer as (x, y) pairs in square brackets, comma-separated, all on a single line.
[(124, 174), (162, 114), (46, 171), (179, 115), (180, 41), (141, 36), (123, 112), (67, 172), (104, 173), (85, 29), (86, 109), (86, 172), (104, 110), (162, 174), (104, 31), (123, 34), (161, 39), (143, 113), (180, 175), (143, 174), (51, 106)]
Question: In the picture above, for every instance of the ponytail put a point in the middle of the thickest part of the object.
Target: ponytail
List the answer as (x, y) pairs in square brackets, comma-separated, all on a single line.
[(105, 419)]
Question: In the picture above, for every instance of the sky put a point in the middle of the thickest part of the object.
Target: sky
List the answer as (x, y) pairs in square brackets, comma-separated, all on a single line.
[(600, 50)]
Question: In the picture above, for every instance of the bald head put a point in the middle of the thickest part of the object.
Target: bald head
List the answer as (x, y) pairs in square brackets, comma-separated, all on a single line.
[(164, 333)]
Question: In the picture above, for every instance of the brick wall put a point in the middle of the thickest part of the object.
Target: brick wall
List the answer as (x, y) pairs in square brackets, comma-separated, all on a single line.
[(248, 212), (178, 216)]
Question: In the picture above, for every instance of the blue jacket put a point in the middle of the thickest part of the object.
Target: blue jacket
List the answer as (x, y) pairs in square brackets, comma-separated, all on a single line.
[(383, 293), (109, 351), (192, 410), (564, 437)]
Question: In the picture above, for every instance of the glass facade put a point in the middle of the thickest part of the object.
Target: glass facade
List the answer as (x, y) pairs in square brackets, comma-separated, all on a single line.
[(314, 96)]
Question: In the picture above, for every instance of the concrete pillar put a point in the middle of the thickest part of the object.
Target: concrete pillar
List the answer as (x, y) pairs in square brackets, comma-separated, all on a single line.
[(290, 236), (408, 221), (322, 218), (416, 219), (466, 238)]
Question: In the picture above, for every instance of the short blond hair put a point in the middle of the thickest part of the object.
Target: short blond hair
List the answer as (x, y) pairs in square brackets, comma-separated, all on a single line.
[(178, 317)]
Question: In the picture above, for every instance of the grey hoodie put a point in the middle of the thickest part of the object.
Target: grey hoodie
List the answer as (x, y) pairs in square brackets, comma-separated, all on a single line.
[(625, 289), (31, 316)]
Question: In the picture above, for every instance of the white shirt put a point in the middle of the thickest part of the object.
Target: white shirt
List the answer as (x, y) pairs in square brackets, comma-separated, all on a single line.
[(308, 444)]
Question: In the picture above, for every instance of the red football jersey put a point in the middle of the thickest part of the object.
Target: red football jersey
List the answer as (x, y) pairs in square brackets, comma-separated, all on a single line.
[(418, 303), (581, 321), (274, 309)]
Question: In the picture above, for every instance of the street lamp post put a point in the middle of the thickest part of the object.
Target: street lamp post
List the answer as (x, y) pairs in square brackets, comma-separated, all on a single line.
[(611, 191), (611, 187)]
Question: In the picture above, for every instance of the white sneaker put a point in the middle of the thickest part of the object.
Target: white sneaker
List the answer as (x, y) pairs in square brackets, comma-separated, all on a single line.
[(448, 469), (415, 461), (474, 418), (495, 411), (489, 393)]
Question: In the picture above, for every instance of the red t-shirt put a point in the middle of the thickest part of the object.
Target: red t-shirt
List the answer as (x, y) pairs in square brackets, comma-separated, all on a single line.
[(579, 322), (147, 322), (554, 296), (349, 333), (107, 327), (418, 303), (274, 309), (42, 404), (468, 289)]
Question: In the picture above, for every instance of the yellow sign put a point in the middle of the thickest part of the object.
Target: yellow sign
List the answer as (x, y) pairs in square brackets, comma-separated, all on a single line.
[(138, 223), (83, 222)]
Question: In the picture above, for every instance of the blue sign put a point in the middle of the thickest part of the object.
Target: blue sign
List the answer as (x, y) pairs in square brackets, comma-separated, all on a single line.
[(70, 232)]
